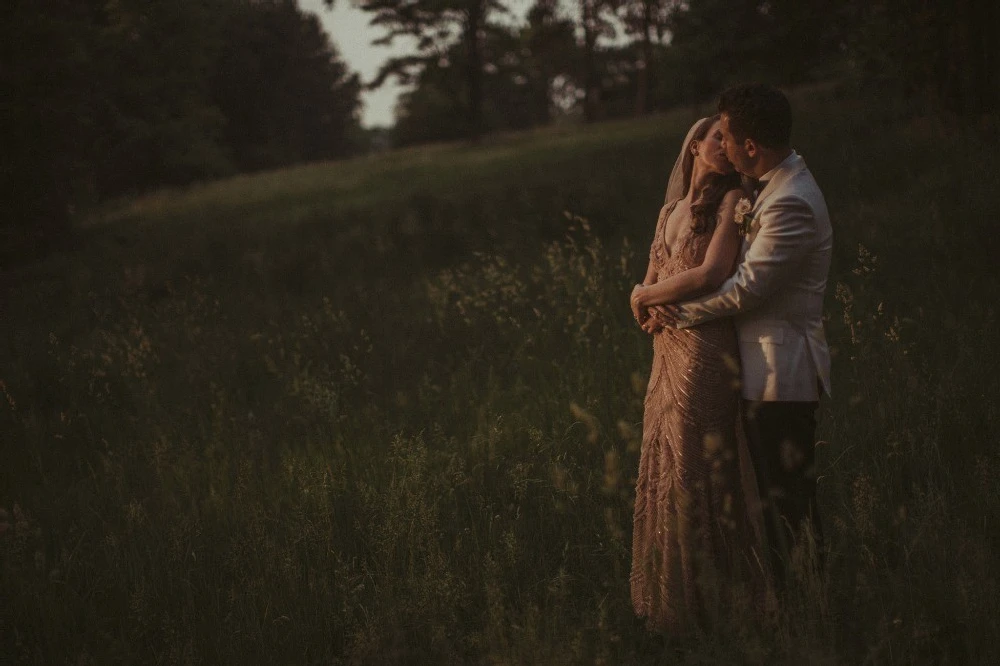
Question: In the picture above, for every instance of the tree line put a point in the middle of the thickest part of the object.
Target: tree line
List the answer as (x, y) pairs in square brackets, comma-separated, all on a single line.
[(473, 73), (104, 98)]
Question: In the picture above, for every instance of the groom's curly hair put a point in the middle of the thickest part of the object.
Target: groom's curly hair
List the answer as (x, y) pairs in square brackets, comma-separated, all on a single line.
[(759, 112)]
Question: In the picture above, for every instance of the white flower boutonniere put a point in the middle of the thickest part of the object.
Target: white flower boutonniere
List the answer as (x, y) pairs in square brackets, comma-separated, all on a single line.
[(743, 218)]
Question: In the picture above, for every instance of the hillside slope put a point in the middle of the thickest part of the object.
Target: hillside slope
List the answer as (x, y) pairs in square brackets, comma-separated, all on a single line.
[(387, 410)]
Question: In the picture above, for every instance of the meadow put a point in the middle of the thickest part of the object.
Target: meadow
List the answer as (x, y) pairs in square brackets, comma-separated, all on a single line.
[(388, 410)]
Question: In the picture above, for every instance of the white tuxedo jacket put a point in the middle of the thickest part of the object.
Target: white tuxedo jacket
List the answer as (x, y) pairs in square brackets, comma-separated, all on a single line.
[(776, 293)]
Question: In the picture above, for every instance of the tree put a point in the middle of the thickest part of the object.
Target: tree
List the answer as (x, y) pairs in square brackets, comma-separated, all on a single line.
[(286, 95), (595, 22), (48, 116), (436, 25), (433, 111), (158, 124), (108, 98), (646, 20), (949, 53), (548, 48), (719, 42)]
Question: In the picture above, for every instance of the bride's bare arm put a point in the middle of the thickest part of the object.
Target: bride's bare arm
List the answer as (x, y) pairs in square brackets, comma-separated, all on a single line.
[(720, 260), (640, 314), (651, 276)]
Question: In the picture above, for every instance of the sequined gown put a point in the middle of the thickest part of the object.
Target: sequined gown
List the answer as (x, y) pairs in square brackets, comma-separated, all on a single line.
[(694, 538)]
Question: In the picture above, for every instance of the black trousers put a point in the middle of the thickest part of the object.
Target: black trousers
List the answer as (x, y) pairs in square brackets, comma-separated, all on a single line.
[(782, 442)]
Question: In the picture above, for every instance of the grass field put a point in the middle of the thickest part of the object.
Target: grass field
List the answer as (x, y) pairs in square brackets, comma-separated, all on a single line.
[(387, 410)]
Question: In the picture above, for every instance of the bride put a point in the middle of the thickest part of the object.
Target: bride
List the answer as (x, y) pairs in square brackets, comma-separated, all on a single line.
[(697, 526)]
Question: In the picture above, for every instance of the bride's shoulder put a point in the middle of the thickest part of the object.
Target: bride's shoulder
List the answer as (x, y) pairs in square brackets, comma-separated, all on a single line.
[(732, 197)]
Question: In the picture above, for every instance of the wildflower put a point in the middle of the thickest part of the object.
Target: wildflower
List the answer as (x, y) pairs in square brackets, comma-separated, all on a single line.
[(589, 421), (612, 473)]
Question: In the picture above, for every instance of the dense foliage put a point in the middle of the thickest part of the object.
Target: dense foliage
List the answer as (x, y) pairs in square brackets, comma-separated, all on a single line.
[(105, 98), (630, 57)]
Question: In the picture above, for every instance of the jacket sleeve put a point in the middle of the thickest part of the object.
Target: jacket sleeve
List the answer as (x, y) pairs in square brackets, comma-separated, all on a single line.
[(787, 232)]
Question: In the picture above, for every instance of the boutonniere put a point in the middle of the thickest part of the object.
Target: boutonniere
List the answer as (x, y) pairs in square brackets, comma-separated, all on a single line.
[(744, 220)]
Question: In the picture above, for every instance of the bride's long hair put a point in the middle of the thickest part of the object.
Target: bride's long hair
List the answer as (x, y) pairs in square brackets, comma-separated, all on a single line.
[(705, 205)]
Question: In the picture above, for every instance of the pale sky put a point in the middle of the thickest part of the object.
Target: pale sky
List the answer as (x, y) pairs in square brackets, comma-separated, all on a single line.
[(349, 31)]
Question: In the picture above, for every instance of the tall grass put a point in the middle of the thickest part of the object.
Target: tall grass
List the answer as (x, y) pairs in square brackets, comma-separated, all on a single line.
[(389, 411)]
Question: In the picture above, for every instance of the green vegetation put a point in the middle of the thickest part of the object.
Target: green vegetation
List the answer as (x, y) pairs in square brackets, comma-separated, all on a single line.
[(387, 410)]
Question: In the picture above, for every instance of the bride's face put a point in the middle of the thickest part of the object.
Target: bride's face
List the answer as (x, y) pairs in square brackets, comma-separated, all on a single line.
[(712, 152)]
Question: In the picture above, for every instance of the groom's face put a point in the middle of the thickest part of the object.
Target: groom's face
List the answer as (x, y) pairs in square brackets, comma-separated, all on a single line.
[(735, 150)]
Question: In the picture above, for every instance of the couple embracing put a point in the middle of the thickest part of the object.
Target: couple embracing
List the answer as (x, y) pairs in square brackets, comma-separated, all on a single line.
[(733, 299)]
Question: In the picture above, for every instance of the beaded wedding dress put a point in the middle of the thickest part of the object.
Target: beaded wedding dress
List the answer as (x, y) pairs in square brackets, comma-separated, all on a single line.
[(697, 524)]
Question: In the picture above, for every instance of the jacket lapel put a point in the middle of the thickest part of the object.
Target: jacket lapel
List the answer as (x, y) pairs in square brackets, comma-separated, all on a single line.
[(795, 165)]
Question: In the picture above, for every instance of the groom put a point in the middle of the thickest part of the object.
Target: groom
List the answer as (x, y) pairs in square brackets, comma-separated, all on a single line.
[(776, 298)]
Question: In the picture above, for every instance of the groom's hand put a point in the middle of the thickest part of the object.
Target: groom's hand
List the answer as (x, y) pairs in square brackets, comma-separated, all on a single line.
[(653, 323), (666, 315)]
